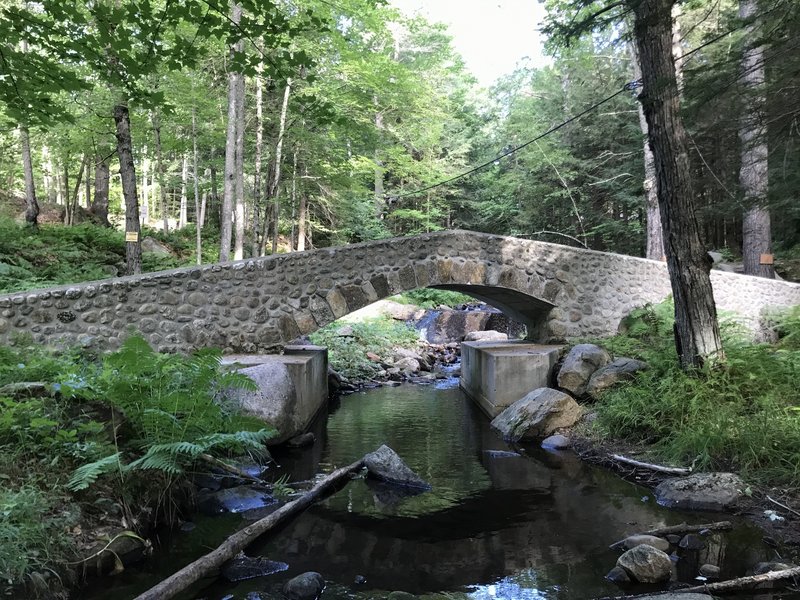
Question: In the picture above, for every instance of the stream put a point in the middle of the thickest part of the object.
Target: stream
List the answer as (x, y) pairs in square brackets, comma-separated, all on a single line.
[(497, 524)]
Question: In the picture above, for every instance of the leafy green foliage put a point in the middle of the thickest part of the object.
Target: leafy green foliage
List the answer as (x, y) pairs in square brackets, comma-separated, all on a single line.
[(349, 343), (431, 298), (173, 410), (31, 535), (742, 415)]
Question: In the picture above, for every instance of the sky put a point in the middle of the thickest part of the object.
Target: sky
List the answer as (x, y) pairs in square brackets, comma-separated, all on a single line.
[(491, 35)]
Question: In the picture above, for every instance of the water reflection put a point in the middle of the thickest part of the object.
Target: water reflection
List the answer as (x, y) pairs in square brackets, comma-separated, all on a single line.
[(498, 523)]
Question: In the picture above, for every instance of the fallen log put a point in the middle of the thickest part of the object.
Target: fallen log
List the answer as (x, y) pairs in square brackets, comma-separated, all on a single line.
[(732, 585), (682, 528), (651, 466), (237, 542)]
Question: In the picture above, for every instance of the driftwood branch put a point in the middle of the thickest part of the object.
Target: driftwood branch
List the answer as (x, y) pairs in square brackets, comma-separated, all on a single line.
[(651, 466), (234, 544), (732, 585), (683, 528), (229, 468), (783, 506)]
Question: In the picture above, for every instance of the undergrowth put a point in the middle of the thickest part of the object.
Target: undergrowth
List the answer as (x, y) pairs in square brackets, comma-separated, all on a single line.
[(743, 415), (433, 298), (349, 343), (123, 429)]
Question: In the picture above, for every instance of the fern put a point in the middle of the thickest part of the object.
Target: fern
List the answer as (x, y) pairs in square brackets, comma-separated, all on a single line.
[(86, 475), (173, 410)]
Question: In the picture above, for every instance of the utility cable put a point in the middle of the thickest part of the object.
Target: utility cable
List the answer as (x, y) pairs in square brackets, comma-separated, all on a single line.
[(625, 88)]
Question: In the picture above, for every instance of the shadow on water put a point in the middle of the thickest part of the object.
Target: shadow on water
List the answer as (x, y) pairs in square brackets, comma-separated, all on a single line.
[(497, 524)]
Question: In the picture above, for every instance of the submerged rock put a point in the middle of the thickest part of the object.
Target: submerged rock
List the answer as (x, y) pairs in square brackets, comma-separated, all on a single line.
[(556, 442), (537, 415), (244, 567), (302, 440), (579, 365), (402, 596), (709, 571), (677, 596), (646, 564), (306, 586), (702, 491), (386, 465), (234, 500), (651, 540), (620, 369)]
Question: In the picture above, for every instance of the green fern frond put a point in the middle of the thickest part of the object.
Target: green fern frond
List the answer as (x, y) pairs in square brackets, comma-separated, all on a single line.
[(86, 475)]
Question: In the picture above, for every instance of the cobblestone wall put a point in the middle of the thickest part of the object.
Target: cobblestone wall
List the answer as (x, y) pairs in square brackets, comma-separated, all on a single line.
[(259, 305)]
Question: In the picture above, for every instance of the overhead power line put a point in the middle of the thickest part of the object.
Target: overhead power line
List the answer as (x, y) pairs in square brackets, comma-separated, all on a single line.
[(625, 88)]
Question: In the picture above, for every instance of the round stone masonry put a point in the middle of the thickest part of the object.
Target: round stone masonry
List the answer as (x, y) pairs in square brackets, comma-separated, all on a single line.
[(261, 304)]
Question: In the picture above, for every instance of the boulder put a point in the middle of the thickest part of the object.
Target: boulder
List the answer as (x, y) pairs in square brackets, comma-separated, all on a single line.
[(386, 465), (556, 442), (709, 571), (234, 500), (302, 440), (537, 415), (646, 564), (618, 575), (446, 326), (620, 369), (243, 567), (273, 399), (692, 541), (651, 540), (701, 491), (485, 336), (152, 245), (407, 365), (579, 365), (306, 586), (29, 389)]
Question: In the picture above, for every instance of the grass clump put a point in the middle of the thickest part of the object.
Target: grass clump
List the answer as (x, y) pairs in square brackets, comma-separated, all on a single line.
[(743, 415), (349, 343)]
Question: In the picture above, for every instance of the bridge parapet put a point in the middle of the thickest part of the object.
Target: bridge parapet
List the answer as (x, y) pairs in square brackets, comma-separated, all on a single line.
[(259, 305)]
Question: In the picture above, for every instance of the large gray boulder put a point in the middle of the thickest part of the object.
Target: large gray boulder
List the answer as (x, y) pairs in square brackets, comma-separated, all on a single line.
[(579, 365), (485, 336), (442, 327), (386, 465), (537, 415), (306, 586), (651, 540), (701, 491), (274, 400), (620, 369), (646, 564)]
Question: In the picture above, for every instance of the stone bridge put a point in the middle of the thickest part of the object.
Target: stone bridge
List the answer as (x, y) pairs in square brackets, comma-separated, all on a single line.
[(261, 304)]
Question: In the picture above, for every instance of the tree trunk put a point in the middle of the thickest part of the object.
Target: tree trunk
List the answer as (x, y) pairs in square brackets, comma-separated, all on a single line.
[(696, 329), (67, 197), (145, 208), (76, 192), (47, 167), (197, 214), (272, 191), (258, 156), (293, 200), (379, 171), (215, 205), (301, 223), (238, 246), (127, 171), (160, 171), (31, 205), (655, 238), (102, 180), (183, 212), (229, 187), (278, 158), (753, 173)]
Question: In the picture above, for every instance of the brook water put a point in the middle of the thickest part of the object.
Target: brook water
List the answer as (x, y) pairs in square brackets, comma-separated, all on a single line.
[(497, 524)]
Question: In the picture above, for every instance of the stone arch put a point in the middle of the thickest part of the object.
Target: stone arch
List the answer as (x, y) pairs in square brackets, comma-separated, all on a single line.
[(261, 304)]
